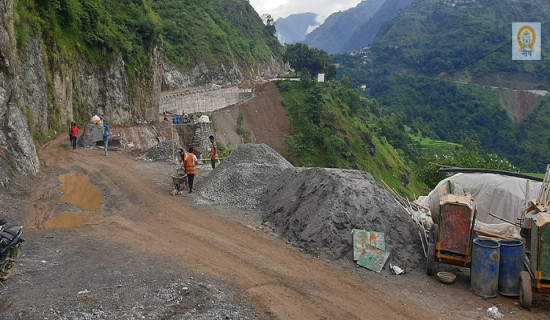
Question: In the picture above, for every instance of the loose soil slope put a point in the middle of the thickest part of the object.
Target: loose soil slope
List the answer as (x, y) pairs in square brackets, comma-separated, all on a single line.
[(264, 118)]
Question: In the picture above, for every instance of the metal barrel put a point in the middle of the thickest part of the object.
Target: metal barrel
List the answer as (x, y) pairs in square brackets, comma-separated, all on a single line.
[(485, 268), (511, 264)]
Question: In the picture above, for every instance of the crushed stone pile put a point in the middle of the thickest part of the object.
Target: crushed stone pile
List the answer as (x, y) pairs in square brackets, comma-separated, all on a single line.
[(240, 180), (314, 208), (163, 151), (317, 209)]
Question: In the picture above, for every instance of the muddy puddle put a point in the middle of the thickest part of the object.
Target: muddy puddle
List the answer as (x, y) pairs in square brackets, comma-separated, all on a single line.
[(69, 220), (80, 192)]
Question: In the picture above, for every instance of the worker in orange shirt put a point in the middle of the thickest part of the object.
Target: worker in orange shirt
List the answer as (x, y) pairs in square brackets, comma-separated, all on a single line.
[(213, 152), (190, 164)]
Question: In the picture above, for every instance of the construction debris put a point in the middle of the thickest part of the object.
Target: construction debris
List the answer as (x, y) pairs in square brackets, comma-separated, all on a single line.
[(396, 269), (369, 249), (163, 151), (241, 180)]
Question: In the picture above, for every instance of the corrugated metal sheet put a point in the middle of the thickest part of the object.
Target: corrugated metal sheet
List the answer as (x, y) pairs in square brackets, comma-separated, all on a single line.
[(369, 249)]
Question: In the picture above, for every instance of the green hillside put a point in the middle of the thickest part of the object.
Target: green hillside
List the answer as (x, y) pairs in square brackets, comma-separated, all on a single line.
[(214, 32), (333, 126), (427, 62), (189, 31), (98, 30), (431, 38)]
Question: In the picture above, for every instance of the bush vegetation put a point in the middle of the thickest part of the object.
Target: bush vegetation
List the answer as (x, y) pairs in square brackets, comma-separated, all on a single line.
[(333, 126), (214, 32)]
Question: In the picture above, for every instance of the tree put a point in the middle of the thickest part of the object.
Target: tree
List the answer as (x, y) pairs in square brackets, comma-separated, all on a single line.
[(269, 24), (301, 57)]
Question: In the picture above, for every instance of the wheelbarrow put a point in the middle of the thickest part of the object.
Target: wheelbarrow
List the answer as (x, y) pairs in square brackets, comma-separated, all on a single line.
[(179, 180), (537, 260), (451, 238)]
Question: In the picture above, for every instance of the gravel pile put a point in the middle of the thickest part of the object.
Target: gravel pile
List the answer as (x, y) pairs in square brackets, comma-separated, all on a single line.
[(240, 180), (163, 151), (314, 208), (317, 209)]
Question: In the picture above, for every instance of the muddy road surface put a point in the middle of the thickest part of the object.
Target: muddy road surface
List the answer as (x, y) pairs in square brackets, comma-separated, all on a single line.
[(105, 239)]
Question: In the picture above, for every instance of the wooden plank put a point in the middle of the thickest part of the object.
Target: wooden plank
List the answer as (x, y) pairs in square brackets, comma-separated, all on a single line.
[(395, 195)]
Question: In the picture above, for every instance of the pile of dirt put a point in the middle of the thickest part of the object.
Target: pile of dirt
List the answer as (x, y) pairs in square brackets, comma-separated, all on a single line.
[(314, 208), (163, 151), (240, 180), (317, 209)]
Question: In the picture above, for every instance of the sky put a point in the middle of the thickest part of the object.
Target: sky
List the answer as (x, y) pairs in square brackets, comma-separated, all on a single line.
[(284, 8)]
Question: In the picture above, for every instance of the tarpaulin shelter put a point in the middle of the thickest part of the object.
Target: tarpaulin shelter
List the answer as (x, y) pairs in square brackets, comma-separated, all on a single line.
[(504, 196)]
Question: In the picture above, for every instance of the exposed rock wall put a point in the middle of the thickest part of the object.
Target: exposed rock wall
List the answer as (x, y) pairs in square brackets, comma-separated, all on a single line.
[(42, 89), (17, 150), (201, 75), (38, 94)]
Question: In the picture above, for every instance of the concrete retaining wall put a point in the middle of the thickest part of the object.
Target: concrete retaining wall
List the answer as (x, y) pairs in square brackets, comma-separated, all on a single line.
[(204, 101)]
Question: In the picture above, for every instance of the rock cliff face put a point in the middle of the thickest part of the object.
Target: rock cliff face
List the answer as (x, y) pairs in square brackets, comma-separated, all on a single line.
[(17, 150), (38, 94), (201, 75), (43, 90)]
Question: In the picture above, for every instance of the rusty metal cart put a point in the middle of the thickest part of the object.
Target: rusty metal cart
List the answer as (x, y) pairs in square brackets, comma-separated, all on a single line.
[(452, 235), (537, 276), (179, 179)]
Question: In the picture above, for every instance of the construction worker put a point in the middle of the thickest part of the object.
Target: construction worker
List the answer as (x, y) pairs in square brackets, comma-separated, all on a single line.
[(213, 152), (190, 165), (74, 131)]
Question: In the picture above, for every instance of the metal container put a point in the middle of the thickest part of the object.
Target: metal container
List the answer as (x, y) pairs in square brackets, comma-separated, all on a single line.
[(485, 268), (511, 264)]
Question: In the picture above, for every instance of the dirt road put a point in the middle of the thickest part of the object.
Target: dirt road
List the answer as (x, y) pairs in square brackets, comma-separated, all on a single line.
[(144, 247)]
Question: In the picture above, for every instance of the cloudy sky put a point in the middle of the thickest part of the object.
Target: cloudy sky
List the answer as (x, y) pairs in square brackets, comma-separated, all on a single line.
[(284, 8)]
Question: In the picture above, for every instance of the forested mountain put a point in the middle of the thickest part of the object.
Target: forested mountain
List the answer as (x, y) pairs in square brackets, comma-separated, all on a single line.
[(295, 27), (446, 65), (366, 32), (334, 34)]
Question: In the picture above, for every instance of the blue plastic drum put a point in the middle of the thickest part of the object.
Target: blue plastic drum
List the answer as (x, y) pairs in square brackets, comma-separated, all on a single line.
[(485, 268), (511, 264)]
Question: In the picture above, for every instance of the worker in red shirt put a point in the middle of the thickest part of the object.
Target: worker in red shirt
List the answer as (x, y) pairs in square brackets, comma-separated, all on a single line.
[(74, 131)]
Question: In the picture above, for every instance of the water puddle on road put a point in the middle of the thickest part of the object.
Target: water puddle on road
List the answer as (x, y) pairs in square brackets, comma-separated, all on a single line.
[(79, 191), (68, 220)]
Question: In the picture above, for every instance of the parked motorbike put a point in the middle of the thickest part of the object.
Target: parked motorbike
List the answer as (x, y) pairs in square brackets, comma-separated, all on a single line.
[(10, 246)]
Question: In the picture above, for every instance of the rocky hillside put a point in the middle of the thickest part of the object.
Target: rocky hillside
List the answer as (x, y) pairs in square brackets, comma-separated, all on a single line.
[(63, 61)]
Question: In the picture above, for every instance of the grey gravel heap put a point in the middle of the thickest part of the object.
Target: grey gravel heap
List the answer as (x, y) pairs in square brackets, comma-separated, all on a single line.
[(240, 180), (317, 209), (163, 151), (313, 208)]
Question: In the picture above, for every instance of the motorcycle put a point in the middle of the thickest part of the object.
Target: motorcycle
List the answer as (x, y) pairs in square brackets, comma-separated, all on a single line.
[(10, 246)]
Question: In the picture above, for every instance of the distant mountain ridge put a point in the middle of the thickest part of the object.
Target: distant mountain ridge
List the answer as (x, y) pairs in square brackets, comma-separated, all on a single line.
[(365, 34), (448, 64), (355, 28), (295, 27)]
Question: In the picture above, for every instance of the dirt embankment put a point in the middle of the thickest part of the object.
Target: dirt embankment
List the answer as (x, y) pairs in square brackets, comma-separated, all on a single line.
[(264, 120)]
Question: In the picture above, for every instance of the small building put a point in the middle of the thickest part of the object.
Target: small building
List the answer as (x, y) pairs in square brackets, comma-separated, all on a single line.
[(321, 77)]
